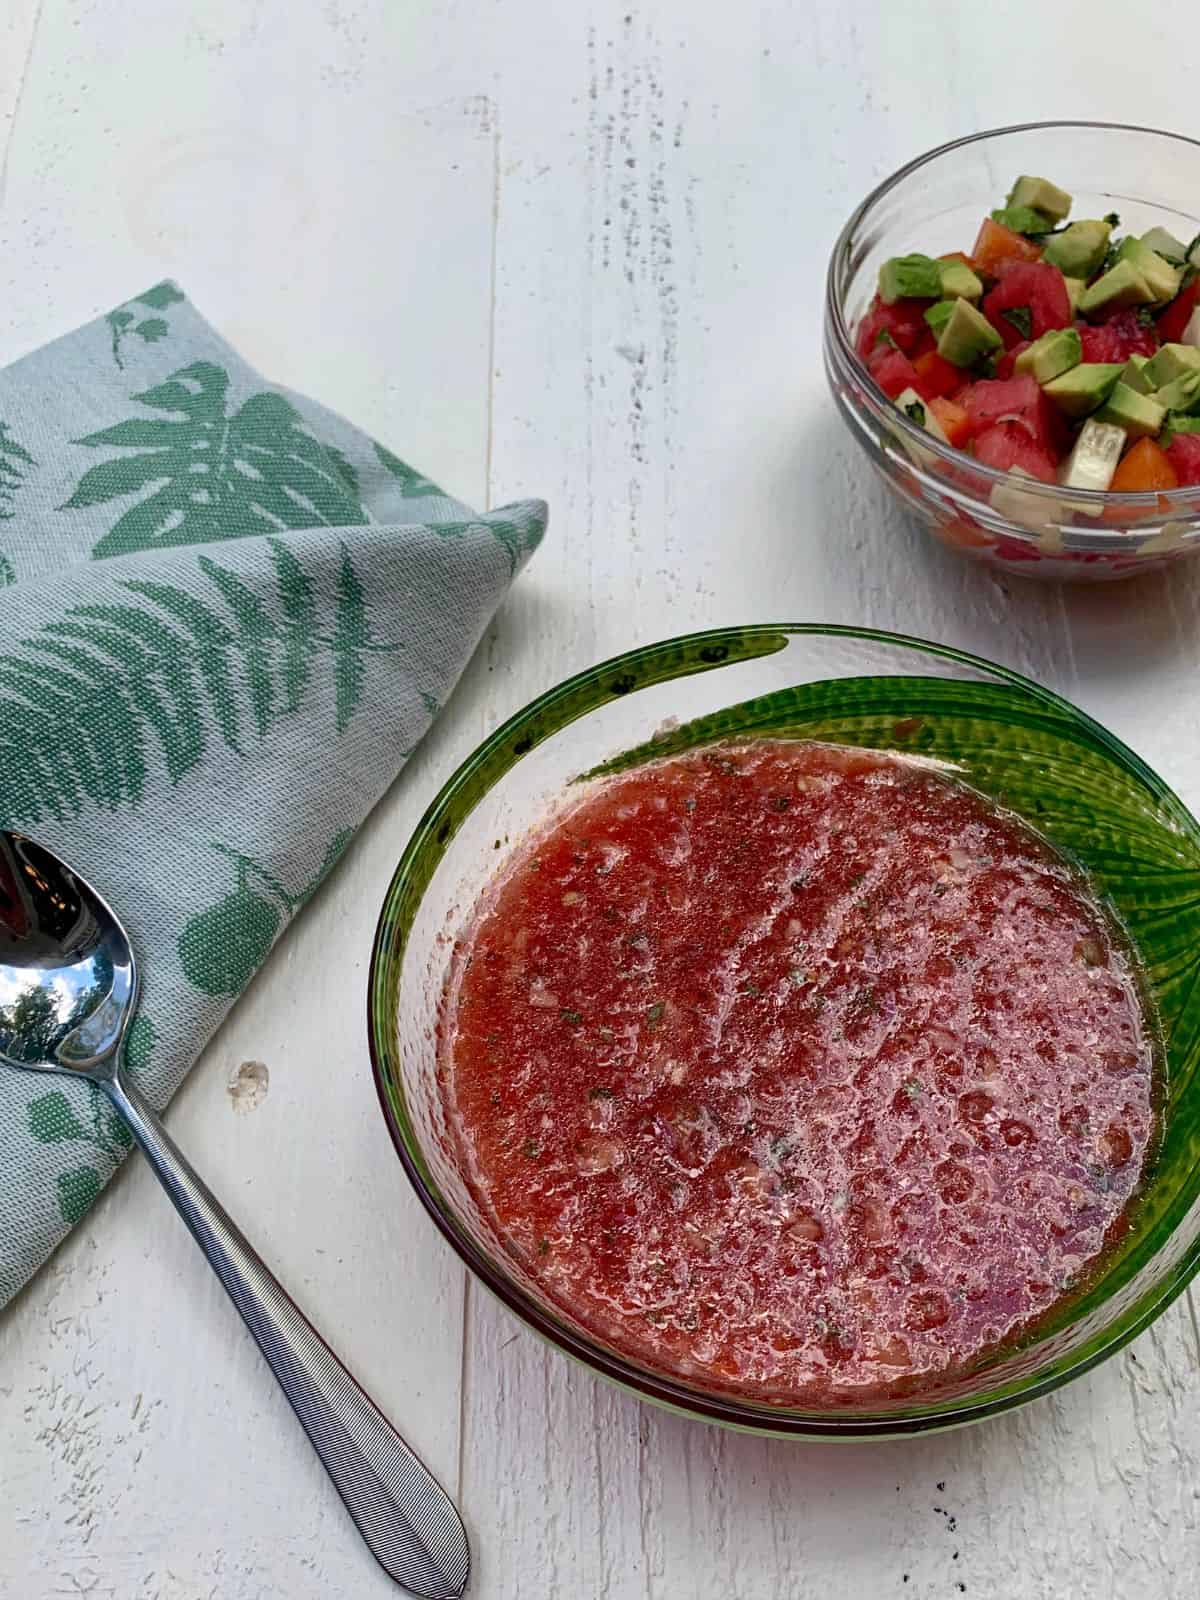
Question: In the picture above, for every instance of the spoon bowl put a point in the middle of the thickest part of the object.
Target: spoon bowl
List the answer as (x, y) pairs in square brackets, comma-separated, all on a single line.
[(68, 990), (68, 979)]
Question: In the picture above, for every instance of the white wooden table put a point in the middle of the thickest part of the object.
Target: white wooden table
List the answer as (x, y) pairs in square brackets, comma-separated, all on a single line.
[(577, 250)]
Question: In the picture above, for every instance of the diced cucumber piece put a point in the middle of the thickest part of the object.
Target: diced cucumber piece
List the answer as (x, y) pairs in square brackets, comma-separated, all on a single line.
[(1094, 460), (918, 410)]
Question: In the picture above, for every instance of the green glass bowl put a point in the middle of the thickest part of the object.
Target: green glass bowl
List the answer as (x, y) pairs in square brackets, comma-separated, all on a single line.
[(1032, 751)]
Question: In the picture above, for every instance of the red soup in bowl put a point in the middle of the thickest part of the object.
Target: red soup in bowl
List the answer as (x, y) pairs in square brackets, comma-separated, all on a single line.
[(798, 1071)]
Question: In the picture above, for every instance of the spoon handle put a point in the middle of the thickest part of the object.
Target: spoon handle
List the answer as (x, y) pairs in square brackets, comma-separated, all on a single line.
[(404, 1515)]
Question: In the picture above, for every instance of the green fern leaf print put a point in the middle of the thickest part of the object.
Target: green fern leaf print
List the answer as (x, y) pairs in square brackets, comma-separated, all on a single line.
[(14, 462), (8, 573), (111, 692), (413, 485), (517, 541), (201, 475)]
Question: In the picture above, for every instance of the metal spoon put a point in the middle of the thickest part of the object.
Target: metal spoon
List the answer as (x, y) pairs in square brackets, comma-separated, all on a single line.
[(68, 989)]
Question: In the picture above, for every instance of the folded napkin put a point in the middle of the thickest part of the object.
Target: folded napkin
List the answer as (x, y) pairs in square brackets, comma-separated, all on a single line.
[(226, 618)]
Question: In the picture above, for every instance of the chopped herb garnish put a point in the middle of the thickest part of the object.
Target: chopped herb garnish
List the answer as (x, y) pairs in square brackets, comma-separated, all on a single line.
[(600, 1094), (780, 802), (781, 1148), (690, 803), (1113, 220), (532, 1149), (654, 1014), (884, 337), (800, 978), (1145, 317), (750, 989), (916, 411), (568, 1015), (800, 884), (543, 1247), (912, 1089), (1021, 318)]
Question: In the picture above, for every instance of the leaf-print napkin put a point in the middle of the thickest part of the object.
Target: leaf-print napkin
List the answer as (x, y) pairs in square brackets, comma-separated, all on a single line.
[(226, 618)]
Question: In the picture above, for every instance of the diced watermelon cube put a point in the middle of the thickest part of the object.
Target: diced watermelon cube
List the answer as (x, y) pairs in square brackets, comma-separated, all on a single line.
[(894, 372), (904, 321), (1183, 452), (1117, 339), (1008, 444), (1030, 299), (1007, 364), (1017, 399)]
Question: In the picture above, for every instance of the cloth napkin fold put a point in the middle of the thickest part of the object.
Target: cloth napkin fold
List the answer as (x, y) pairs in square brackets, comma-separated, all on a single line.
[(226, 619)]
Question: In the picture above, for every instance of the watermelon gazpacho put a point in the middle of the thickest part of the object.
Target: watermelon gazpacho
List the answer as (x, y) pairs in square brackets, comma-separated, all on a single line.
[(796, 1070), (1067, 354)]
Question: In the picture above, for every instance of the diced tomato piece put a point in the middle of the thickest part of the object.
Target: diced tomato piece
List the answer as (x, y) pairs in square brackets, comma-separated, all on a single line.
[(1178, 314), (1147, 466), (894, 372), (954, 419), (904, 321), (1008, 444), (1020, 399), (1122, 336), (1183, 452), (940, 377), (1007, 365), (996, 244), (1032, 286)]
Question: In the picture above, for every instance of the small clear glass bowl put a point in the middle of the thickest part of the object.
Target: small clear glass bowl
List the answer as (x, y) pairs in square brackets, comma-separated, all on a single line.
[(936, 204), (1009, 738)]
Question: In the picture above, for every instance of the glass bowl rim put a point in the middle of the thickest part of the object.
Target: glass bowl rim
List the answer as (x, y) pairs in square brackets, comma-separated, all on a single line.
[(645, 1383), (1186, 511)]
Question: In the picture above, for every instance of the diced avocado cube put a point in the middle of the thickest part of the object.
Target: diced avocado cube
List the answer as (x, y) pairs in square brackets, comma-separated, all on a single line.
[(967, 335), (1139, 414), (1181, 394), (958, 281), (1166, 245), (1160, 275), (914, 277), (1054, 353), (1075, 288), (1094, 459), (1084, 388), (937, 316), (1134, 374), (1170, 362), (1121, 285), (1043, 196), (1079, 250), (1023, 219)]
